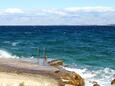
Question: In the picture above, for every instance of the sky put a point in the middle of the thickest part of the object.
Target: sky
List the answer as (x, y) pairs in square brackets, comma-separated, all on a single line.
[(57, 12)]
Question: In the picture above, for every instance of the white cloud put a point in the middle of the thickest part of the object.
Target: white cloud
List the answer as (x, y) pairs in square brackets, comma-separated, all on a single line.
[(72, 15), (13, 10), (55, 11), (90, 9)]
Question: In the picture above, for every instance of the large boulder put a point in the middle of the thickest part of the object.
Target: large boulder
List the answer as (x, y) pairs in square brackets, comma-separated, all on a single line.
[(113, 82), (68, 78), (72, 79), (55, 62)]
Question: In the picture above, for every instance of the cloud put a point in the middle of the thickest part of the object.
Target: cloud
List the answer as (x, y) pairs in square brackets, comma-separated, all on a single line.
[(14, 10), (66, 16), (54, 11), (90, 9)]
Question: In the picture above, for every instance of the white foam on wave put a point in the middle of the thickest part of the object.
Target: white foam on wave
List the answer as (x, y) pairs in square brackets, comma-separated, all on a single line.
[(101, 76), (12, 43), (5, 54), (15, 43)]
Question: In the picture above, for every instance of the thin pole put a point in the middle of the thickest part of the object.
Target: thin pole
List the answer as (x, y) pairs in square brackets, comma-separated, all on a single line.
[(45, 56), (38, 55)]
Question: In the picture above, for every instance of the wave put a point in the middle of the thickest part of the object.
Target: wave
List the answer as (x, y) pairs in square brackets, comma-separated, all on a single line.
[(15, 43), (102, 76), (5, 54), (12, 43)]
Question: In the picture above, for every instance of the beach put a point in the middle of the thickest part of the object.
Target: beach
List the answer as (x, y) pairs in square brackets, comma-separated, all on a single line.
[(14, 79), (15, 72)]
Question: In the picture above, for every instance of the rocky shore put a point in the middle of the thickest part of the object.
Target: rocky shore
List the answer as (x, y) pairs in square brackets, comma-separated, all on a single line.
[(15, 72)]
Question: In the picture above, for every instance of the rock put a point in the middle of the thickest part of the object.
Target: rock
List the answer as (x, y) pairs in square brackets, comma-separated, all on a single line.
[(21, 84), (67, 77), (57, 71), (95, 83), (72, 79), (77, 79), (55, 63), (113, 82), (69, 85)]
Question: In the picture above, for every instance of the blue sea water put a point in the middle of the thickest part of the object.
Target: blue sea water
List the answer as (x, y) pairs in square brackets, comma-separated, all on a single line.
[(91, 48)]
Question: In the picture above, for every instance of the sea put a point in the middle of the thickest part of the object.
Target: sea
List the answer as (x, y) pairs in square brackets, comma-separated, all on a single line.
[(86, 50)]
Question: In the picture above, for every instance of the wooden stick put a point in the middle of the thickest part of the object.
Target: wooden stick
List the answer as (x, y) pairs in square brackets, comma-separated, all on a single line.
[(38, 55), (45, 56)]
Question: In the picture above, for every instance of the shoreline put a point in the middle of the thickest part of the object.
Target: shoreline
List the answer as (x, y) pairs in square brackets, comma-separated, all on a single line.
[(49, 74)]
